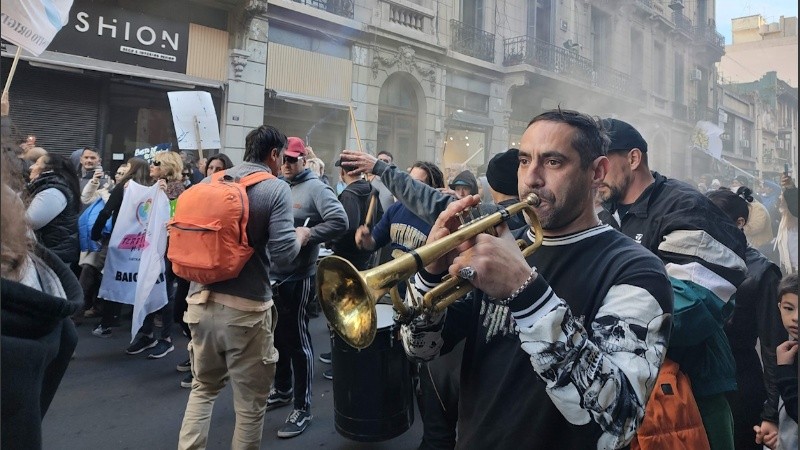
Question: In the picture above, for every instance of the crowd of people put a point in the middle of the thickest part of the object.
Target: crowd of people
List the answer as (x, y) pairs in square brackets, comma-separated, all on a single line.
[(560, 349)]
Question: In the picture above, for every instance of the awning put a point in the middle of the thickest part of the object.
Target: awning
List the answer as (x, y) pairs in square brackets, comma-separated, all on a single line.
[(75, 63), (308, 100), (473, 119)]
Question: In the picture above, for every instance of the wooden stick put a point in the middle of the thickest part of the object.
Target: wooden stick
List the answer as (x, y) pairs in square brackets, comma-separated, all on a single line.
[(371, 209), (355, 129), (199, 141), (11, 73)]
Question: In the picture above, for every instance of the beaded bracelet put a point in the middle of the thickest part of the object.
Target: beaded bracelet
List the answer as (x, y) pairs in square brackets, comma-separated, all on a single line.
[(507, 300)]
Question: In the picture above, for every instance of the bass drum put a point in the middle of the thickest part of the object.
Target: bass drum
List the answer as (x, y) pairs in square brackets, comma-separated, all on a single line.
[(372, 391)]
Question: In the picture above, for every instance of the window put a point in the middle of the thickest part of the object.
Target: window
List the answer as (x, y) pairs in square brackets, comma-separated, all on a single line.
[(659, 69), (472, 13), (540, 20), (470, 101), (679, 77), (637, 56), (601, 35)]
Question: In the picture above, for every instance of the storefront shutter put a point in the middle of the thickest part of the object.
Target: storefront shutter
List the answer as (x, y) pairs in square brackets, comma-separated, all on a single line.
[(60, 108)]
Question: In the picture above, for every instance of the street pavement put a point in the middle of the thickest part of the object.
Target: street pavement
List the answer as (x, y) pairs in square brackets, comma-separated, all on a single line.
[(110, 400)]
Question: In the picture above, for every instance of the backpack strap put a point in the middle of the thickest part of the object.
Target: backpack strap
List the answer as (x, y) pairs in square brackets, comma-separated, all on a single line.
[(247, 180), (255, 177)]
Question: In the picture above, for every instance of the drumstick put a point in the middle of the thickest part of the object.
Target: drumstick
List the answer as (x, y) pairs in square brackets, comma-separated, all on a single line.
[(355, 129), (370, 209), (305, 224)]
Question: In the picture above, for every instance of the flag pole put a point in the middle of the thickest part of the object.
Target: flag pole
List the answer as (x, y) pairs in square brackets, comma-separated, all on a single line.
[(355, 129), (11, 72)]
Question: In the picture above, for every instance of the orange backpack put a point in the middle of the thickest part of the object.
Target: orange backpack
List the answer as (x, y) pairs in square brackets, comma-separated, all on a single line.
[(208, 233), (672, 420)]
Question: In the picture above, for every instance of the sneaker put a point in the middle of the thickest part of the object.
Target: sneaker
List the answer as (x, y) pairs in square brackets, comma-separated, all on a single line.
[(102, 332), (296, 423), (185, 366), (277, 399), (325, 357), (141, 344), (328, 374), (186, 382), (161, 348)]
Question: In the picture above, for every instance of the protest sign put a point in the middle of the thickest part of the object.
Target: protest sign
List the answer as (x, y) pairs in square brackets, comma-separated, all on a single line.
[(148, 153), (195, 120)]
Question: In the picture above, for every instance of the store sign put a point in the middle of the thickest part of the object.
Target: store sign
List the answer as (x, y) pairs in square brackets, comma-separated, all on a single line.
[(102, 31)]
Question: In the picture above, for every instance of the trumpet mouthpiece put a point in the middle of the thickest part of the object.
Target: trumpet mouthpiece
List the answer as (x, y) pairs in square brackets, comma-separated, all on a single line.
[(533, 199)]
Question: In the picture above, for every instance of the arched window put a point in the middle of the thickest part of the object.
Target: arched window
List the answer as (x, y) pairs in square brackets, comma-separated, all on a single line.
[(397, 120)]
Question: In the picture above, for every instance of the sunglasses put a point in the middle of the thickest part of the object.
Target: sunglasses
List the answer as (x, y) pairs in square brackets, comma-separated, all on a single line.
[(156, 163), (290, 159)]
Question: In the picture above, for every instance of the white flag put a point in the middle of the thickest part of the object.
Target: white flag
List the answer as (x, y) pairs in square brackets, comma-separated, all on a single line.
[(32, 24), (711, 142)]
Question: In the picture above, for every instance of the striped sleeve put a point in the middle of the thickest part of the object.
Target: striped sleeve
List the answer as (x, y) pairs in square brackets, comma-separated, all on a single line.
[(603, 374), (422, 338)]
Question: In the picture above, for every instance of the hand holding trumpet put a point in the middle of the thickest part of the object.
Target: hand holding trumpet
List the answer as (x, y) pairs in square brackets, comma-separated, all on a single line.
[(493, 264)]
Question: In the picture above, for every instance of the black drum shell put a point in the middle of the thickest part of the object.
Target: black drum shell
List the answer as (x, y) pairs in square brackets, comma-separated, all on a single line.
[(372, 388)]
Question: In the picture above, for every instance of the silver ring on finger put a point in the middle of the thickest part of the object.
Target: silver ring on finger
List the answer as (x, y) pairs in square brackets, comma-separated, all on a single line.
[(467, 273)]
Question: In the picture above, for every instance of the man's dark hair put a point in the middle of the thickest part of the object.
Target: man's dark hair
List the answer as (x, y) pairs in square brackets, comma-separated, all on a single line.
[(260, 142), (90, 149), (435, 175), (384, 152), (589, 139), (788, 285)]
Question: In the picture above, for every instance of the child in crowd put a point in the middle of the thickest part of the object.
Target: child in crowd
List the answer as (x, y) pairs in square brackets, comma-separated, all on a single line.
[(786, 377)]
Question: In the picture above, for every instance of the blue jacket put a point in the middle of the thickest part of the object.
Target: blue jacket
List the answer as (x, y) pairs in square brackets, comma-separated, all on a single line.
[(85, 222)]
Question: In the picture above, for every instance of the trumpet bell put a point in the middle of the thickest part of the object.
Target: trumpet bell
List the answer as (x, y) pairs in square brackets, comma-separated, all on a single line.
[(348, 304)]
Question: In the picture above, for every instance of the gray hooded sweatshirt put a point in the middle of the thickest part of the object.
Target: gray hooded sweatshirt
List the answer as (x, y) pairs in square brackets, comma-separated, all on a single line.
[(314, 200)]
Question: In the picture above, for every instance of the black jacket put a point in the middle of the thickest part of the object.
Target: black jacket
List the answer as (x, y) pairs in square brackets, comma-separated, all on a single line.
[(61, 234), (756, 317), (38, 339), (355, 198)]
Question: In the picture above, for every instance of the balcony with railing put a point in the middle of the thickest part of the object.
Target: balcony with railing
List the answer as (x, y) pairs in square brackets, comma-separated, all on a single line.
[(682, 23), (645, 5), (680, 111), (708, 35), (406, 17), (472, 41), (567, 63), (342, 8)]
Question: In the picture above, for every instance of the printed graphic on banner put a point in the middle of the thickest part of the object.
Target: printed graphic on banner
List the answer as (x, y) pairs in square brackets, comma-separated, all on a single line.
[(134, 267), (148, 153), (32, 24)]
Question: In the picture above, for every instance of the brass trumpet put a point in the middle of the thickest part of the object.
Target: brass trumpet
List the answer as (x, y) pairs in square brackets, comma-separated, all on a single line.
[(348, 296)]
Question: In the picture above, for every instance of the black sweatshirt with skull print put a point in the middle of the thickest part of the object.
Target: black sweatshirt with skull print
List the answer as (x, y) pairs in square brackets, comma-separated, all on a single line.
[(571, 361)]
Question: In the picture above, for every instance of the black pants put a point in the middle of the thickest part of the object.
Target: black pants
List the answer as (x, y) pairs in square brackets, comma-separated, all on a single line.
[(439, 389), (90, 283), (181, 292), (293, 340), (166, 311)]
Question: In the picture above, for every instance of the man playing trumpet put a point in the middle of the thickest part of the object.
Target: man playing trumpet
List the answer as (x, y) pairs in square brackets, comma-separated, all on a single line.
[(561, 349)]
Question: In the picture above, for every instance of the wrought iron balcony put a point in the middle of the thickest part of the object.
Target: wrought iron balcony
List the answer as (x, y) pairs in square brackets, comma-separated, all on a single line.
[(682, 23), (709, 35), (342, 8), (646, 5), (472, 41), (568, 63), (679, 111)]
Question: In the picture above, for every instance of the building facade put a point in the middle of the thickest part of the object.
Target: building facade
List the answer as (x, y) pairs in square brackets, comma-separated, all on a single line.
[(450, 81), (759, 47)]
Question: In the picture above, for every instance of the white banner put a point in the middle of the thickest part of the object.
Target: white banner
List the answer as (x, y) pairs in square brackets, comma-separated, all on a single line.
[(134, 270), (32, 24), (707, 137)]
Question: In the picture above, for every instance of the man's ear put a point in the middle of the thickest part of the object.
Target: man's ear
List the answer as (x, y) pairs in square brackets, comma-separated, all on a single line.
[(599, 169), (635, 158)]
